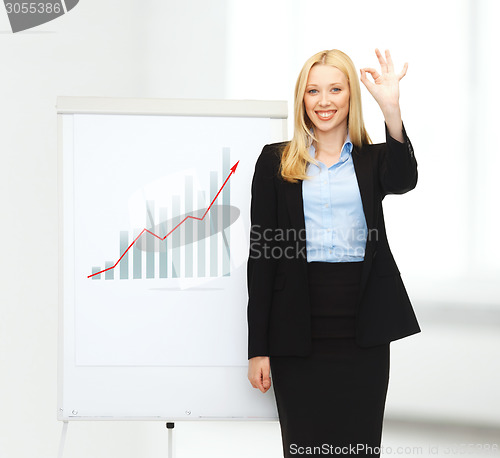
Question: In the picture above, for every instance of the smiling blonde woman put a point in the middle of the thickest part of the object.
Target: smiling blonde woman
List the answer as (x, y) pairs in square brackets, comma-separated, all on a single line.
[(324, 308)]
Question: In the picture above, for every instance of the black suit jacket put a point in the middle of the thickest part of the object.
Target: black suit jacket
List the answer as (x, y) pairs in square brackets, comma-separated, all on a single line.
[(278, 310)]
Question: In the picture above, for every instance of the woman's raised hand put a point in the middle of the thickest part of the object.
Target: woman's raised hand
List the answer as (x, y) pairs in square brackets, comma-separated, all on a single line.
[(385, 88)]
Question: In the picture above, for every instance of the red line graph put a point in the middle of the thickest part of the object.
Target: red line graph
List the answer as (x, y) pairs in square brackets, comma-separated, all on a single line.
[(233, 170)]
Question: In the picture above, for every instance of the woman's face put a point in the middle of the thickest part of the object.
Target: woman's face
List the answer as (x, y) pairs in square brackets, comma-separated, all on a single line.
[(326, 98)]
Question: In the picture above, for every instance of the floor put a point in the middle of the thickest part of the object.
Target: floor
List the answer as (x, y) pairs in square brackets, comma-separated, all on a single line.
[(405, 438)]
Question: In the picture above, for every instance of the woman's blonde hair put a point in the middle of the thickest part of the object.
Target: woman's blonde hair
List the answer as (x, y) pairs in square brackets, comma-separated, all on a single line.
[(295, 156)]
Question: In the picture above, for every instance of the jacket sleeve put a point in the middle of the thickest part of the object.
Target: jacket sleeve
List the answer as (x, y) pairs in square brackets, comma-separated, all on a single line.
[(397, 165), (261, 266)]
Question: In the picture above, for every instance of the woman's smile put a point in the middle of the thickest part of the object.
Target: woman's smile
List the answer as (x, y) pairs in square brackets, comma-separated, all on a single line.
[(326, 115)]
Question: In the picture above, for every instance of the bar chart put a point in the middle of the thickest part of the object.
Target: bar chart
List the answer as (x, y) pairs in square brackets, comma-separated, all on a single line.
[(186, 239)]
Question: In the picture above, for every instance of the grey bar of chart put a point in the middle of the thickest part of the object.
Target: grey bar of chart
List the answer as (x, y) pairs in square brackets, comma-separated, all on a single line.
[(226, 213), (163, 247), (96, 269), (176, 238), (214, 188), (124, 262), (201, 239), (188, 242), (150, 240), (109, 274), (137, 261)]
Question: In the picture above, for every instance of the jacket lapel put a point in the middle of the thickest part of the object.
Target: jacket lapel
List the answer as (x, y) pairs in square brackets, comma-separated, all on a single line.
[(295, 204), (363, 168)]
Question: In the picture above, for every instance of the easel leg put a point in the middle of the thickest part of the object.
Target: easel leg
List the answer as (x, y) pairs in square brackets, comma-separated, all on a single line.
[(63, 439), (170, 426)]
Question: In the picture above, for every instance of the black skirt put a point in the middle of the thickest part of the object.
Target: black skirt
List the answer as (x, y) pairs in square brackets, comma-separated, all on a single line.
[(332, 402)]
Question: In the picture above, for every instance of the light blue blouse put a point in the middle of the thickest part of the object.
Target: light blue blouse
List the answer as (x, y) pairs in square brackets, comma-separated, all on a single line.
[(336, 228)]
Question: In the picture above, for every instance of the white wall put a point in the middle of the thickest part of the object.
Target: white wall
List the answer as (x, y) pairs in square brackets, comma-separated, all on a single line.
[(234, 49)]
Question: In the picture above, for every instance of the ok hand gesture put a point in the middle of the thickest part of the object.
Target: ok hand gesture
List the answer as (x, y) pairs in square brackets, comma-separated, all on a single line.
[(385, 89)]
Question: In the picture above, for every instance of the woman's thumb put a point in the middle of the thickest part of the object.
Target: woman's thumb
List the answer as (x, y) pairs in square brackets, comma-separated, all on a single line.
[(266, 380)]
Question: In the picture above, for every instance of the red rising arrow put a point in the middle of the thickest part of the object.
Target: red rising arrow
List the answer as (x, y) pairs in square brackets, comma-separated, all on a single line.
[(233, 170)]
